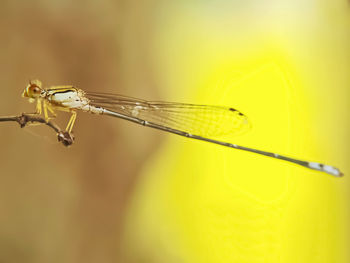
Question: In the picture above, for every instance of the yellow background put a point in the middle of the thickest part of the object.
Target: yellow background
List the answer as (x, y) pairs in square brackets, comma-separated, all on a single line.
[(124, 193)]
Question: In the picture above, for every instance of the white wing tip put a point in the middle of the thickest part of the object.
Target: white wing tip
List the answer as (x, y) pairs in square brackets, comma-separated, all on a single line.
[(326, 168)]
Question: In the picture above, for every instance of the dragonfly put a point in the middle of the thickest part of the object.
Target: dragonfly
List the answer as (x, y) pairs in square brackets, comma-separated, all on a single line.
[(195, 121)]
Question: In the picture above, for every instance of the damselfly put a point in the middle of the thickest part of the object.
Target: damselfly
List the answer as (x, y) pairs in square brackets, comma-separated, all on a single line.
[(194, 121)]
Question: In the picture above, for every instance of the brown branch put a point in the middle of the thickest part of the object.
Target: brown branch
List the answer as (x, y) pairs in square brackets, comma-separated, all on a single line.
[(64, 137)]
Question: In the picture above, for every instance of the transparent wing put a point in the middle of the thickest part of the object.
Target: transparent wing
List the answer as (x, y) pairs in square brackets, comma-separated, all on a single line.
[(196, 119)]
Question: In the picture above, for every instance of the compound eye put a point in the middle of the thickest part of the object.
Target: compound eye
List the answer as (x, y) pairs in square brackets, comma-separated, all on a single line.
[(35, 89)]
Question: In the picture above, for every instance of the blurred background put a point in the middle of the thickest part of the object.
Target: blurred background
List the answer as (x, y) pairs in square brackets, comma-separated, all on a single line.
[(124, 193)]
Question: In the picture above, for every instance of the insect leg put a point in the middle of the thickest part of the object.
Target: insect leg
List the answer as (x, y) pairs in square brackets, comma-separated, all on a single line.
[(51, 110), (45, 112), (71, 122), (38, 109)]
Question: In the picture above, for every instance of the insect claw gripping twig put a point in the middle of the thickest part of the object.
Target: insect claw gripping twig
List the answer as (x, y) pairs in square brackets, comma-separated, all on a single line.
[(64, 137)]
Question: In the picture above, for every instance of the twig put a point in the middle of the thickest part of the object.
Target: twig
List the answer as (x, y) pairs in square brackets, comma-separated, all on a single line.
[(64, 137)]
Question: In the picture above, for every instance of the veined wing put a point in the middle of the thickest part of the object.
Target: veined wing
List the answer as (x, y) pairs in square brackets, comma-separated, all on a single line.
[(202, 120)]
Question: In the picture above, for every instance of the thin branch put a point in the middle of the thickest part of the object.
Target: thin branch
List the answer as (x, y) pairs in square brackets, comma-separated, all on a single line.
[(64, 137)]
